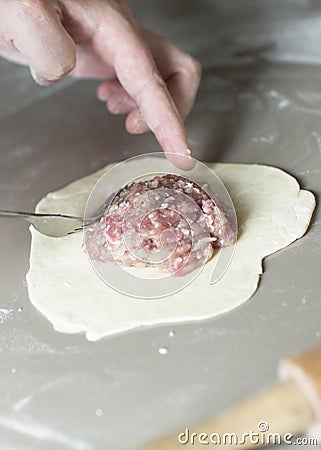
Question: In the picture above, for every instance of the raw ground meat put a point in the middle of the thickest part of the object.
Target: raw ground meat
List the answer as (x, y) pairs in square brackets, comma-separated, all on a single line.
[(168, 221)]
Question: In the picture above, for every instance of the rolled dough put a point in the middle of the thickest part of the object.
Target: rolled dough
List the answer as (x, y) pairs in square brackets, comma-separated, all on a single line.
[(272, 212)]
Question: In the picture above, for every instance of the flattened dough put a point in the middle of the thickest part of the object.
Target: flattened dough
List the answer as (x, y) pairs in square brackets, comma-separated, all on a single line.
[(272, 212)]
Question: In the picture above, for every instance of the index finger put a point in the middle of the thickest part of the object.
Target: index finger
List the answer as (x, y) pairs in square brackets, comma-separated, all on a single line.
[(137, 72)]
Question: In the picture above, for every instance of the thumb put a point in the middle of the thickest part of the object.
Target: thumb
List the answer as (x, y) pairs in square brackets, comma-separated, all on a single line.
[(40, 36)]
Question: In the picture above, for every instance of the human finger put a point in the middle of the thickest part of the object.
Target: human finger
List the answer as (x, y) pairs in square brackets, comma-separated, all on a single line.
[(181, 72), (35, 28), (117, 99), (137, 72)]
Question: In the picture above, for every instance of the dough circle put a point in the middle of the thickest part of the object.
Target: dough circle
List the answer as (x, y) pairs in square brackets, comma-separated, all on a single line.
[(272, 212)]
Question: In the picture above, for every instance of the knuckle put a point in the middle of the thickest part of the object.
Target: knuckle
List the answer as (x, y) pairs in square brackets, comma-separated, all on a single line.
[(153, 82), (194, 68)]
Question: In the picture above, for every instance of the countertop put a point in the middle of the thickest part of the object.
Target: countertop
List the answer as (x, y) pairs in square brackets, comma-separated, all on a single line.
[(259, 102)]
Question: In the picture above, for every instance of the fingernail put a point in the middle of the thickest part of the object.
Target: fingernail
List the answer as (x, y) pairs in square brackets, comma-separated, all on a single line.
[(101, 96), (38, 78), (182, 160), (138, 124), (122, 107)]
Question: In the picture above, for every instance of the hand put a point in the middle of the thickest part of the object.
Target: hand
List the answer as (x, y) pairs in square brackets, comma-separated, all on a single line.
[(145, 75)]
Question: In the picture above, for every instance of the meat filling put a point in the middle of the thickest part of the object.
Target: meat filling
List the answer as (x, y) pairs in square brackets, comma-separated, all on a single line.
[(169, 222)]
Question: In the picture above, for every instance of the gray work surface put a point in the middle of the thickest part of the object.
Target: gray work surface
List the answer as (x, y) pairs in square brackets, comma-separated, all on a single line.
[(259, 102)]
